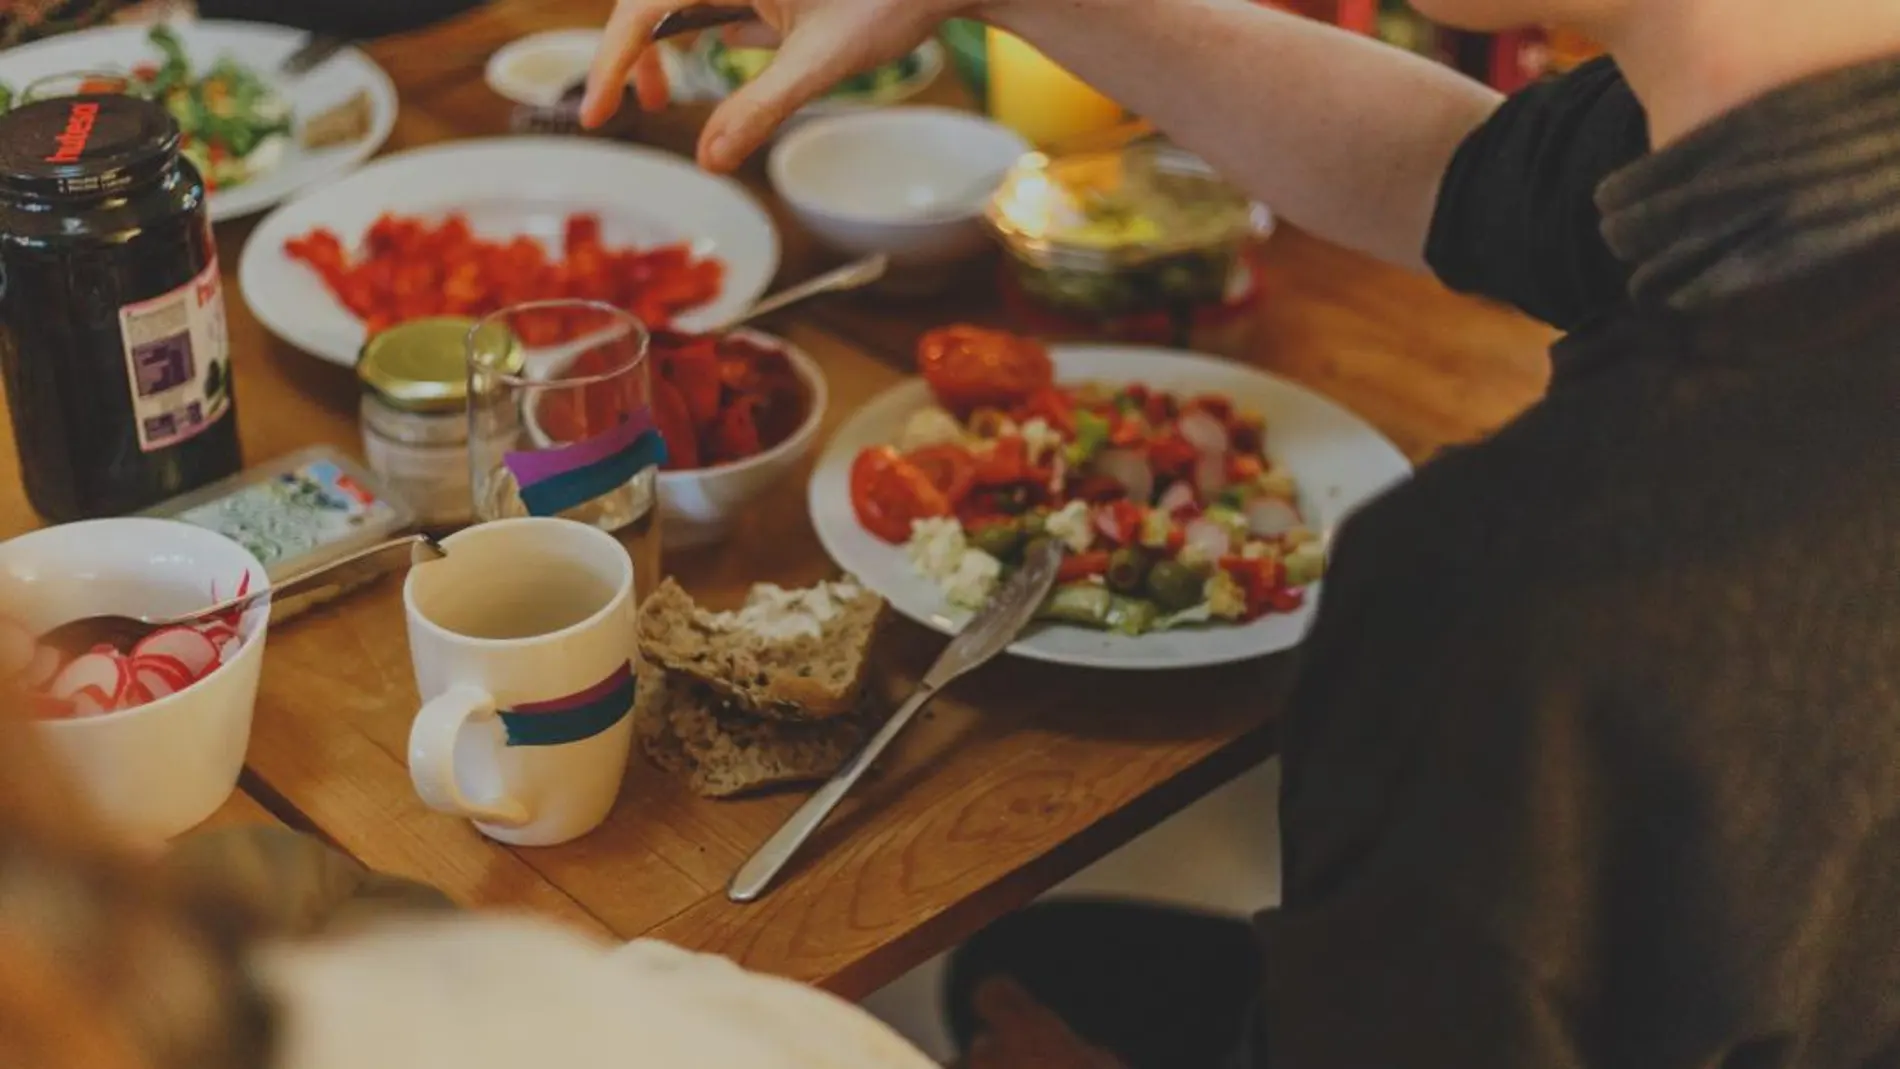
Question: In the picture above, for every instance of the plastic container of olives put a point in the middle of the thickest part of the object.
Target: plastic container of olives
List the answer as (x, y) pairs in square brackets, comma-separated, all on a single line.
[(1144, 228)]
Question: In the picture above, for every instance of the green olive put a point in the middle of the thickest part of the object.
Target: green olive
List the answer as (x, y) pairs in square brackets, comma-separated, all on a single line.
[(999, 540), (1127, 568), (1175, 585)]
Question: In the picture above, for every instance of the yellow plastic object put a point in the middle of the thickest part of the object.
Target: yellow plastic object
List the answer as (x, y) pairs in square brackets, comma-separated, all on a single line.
[(1033, 96)]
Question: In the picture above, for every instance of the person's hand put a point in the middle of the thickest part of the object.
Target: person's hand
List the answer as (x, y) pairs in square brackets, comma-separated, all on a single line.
[(1020, 1033), (820, 42)]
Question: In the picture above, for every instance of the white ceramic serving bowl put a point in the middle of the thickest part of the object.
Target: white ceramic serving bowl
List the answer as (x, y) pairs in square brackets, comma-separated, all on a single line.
[(535, 70), (699, 507), (909, 182), (158, 770)]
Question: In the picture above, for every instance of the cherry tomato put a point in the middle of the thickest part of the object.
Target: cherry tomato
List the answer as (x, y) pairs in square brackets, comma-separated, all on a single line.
[(969, 367), (950, 468), (889, 492), (1007, 463)]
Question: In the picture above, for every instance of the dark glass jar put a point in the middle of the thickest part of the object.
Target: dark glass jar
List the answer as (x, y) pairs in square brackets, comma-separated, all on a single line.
[(112, 332)]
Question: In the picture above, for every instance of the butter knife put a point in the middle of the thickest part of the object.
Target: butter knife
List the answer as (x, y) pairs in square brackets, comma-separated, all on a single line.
[(987, 634), (312, 53)]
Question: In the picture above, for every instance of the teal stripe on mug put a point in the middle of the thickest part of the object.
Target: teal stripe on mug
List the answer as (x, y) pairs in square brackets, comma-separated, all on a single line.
[(572, 719)]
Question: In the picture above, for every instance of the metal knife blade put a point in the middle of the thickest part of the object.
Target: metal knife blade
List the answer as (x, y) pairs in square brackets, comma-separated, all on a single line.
[(315, 49)]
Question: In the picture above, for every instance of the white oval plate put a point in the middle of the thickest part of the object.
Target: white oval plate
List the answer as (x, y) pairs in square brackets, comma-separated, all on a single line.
[(509, 186), (263, 48), (1339, 460)]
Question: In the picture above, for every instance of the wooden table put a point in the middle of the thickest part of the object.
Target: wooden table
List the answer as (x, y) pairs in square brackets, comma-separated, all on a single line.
[(1014, 782)]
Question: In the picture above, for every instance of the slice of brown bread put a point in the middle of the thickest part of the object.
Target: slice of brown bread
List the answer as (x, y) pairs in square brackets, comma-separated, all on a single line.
[(686, 729), (803, 676)]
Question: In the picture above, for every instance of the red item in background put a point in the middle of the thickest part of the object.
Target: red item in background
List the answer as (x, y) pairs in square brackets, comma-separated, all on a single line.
[(411, 268), (973, 367)]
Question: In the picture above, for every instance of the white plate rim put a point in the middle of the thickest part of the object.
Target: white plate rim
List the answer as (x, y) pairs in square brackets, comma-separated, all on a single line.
[(327, 340), (849, 546), (198, 35)]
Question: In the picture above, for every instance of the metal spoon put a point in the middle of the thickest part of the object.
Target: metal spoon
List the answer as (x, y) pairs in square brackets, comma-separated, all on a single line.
[(988, 634), (125, 632)]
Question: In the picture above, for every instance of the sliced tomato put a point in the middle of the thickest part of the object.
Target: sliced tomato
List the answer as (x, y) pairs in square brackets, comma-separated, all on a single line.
[(675, 423), (1053, 407), (691, 363), (1079, 566), (970, 367), (889, 493), (1006, 462), (949, 467), (1172, 455)]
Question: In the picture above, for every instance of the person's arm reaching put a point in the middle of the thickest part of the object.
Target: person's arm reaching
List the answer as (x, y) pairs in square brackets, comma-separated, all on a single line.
[(1343, 136)]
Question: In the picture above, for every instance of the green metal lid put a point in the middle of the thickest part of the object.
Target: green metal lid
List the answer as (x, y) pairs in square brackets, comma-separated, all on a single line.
[(421, 365)]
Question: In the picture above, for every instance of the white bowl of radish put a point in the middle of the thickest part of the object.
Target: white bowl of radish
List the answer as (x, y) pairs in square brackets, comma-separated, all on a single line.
[(155, 735)]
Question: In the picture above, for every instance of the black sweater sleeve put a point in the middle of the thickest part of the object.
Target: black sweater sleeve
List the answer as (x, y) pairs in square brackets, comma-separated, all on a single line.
[(1517, 220), (344, 18)]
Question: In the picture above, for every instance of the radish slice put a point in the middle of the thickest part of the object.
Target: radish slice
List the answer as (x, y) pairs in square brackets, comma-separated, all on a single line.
[(227, 652), (92, 671), (91, 701), (17, 648), (1177, 496), (1111, 528), (47, 707), (1210, 476), (1270, 517), (155, 683), (135, 695), (1132, 470), (189, 647), (44, 667), (1206, 434), (176, 675), (1206, 539)]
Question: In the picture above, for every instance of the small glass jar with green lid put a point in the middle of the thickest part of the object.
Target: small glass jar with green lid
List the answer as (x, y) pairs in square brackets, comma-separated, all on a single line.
[(415, 415)]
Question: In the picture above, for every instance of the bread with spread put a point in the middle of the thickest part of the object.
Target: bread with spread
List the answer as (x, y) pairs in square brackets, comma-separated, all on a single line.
[(774, 693), (786, 654)]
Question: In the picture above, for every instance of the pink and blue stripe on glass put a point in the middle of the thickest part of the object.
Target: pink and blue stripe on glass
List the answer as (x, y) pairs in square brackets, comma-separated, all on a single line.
[(551, 481), (574, 718)]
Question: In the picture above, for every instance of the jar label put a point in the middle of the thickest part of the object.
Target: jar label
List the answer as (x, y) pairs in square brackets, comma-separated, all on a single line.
[(178, 361)]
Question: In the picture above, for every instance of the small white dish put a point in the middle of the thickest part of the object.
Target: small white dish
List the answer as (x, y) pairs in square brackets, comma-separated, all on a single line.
[(909, 182), (537, 69), (699, 507), (152, 772), (264, 49), (1341, 462)]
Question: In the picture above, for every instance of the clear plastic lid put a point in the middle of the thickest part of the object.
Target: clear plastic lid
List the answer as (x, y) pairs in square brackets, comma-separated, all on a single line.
[(1116, 208)]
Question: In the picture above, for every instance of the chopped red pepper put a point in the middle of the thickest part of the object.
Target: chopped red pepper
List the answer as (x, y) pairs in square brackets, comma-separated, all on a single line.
[(1079, 566)]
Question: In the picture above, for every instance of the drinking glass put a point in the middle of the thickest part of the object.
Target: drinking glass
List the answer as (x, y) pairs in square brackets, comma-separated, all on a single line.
[(560, 422)]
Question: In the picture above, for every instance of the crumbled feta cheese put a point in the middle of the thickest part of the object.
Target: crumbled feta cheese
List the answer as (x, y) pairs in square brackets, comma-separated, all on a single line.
[(936, 546), (975, 577), (1225, 598), (940, 553), (1040, 439), (1071, 525), (1156, 527), (927, 427)]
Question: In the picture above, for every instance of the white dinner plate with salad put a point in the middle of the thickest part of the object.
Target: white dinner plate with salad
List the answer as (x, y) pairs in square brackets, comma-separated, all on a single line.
[(248, 126), (510, 187), (1239, 507)]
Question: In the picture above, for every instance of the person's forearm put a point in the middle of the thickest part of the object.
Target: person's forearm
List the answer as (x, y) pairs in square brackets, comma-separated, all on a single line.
[(1341, 135)]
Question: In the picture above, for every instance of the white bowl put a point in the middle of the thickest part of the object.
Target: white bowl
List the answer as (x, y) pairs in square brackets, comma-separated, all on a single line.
[(698, 507), (537, 69), (158, 770), (908, 182)]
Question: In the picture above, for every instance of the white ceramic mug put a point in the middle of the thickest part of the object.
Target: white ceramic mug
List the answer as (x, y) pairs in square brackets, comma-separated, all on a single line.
[(523, 639)]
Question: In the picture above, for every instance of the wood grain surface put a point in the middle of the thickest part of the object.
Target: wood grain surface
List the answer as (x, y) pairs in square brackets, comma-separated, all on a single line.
[(1013, 782)]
